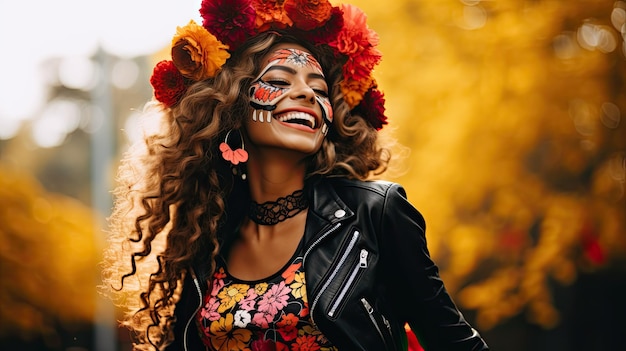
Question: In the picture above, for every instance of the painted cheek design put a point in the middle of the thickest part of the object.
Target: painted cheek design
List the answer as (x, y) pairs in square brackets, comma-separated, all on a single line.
[(264, 97), (327, 113)]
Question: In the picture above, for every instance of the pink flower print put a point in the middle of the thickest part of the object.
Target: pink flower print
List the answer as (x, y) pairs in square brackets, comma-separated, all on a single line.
[(209, 311), (274, 299), (218, 284), (262, 319), (248, 302)]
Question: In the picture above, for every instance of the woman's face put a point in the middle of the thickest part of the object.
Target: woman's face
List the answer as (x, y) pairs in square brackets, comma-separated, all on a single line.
[(291, 108)]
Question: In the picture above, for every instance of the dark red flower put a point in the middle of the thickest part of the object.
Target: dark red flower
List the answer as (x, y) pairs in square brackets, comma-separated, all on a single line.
[(231, 21), (372, 108), (329, 31), (168, 83), (263, 345), (308, 14)]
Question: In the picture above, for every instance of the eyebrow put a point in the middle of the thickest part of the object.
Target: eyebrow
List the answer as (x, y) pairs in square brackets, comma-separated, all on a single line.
[(293, 71)]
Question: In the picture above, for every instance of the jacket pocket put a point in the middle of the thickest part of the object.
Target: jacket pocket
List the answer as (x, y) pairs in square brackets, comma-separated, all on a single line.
[(355, 272), (380, 323)]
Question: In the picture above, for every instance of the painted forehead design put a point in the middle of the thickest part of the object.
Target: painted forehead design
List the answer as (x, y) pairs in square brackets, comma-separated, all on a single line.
[(296, 57)]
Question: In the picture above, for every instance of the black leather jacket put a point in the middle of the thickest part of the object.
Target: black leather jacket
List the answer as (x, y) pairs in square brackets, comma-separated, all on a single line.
[(368, 271)]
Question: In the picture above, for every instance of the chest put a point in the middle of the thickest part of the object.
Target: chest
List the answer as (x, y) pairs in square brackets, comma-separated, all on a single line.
[(270, 313)]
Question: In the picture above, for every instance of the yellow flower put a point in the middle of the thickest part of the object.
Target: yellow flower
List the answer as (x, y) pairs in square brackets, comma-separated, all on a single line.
[(231, 295), (225, 338), (197, 53), (298, 287), (260, 288)]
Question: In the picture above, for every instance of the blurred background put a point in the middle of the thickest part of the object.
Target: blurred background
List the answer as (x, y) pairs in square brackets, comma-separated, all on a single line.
[(510, 112)]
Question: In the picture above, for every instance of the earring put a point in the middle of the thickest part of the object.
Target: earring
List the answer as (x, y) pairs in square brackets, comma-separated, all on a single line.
[(235, 157)]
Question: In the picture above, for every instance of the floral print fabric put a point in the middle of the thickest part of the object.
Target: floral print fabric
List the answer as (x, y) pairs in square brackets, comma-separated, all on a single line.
[(272, 314)]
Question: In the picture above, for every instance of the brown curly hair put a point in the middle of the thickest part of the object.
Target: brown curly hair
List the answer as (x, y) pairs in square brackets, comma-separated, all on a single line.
[(174, 189)]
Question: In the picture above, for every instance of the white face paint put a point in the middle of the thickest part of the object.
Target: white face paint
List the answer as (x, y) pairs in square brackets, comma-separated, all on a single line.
[(276, 80)]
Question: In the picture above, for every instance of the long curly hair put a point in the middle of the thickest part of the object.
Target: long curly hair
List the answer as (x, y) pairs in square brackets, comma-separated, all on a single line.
[(174, 190)]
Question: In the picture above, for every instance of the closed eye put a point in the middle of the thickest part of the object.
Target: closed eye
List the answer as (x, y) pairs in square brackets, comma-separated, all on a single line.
[(277, 82), (320, 92)]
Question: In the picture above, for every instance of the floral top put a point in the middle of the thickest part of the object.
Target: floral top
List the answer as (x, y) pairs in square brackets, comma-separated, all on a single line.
[(269, 314)]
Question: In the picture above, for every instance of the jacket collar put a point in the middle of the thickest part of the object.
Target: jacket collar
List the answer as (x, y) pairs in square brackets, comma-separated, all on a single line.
[(325, 209)]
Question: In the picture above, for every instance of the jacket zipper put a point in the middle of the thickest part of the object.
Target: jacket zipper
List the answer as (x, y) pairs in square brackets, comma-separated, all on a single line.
[(353, 240), (370, 313), (199, 291), (344, 290), (316, 242)]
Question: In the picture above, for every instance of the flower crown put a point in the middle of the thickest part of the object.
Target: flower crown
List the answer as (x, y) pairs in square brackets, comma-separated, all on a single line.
[(198, 52)]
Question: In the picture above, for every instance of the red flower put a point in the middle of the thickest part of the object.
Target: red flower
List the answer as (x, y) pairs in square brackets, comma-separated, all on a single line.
[(357, 41), (231, 21), (263, 345), (168, 83), (329, 31), (414, 344), (305, 343), (271, 14), (308, 14), (372, 108)]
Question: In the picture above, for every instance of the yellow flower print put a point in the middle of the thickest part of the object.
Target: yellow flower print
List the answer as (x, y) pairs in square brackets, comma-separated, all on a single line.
[(225, 338), (230, 295), (298, 287), (260, 288)]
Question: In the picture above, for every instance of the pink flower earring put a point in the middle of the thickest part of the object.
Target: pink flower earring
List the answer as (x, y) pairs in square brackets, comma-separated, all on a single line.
[(236, 156)]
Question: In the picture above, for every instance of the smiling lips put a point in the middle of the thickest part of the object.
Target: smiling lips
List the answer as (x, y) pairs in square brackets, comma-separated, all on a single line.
[(298, 117)]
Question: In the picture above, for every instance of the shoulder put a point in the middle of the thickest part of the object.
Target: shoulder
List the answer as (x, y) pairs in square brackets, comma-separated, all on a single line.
[(366, 191)]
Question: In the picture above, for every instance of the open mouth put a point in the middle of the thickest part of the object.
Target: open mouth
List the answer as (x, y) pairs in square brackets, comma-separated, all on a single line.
[(297, 117)]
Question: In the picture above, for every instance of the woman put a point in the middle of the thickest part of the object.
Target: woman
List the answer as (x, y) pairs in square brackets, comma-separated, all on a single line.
[(248, 224)]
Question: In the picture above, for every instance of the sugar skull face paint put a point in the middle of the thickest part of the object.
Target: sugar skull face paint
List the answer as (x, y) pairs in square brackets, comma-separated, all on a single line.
[(274, 82)]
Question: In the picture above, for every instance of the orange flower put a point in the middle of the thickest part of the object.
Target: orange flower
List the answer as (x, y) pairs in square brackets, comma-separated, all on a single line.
[(197, 53), (271, 14), (226, 338), (308, 14), (290, 272), (353, 90)]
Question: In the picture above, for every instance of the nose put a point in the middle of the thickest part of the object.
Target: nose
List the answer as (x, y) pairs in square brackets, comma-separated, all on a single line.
[(303, 91)]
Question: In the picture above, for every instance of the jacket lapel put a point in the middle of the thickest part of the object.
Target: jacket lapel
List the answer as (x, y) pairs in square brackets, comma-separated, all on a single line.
[(325, 209)]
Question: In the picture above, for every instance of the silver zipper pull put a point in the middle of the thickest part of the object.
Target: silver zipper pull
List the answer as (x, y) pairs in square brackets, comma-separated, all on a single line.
[(363, 259), (386, 321), (367, 305)]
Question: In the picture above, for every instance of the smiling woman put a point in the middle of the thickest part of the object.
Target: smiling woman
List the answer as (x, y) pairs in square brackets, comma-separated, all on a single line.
[(249, 222)]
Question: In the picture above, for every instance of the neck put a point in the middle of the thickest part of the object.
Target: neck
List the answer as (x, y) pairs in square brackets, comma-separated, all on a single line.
[(270, 178)]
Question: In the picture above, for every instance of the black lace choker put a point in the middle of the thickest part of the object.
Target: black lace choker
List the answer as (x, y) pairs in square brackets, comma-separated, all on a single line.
[(272, 212)]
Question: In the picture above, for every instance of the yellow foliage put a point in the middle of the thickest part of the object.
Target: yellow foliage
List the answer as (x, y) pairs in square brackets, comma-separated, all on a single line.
[(48, 259), (516, 130)]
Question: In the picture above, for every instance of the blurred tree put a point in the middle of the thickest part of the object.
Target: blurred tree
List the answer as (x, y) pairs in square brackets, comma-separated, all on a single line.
[(512, 110), (48, 262)]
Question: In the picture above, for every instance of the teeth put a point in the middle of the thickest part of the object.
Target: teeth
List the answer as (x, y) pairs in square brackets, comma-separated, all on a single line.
[(298, 115)]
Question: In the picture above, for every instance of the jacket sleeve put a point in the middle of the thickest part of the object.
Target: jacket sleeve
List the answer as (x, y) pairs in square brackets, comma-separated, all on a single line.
[(417, 292)]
